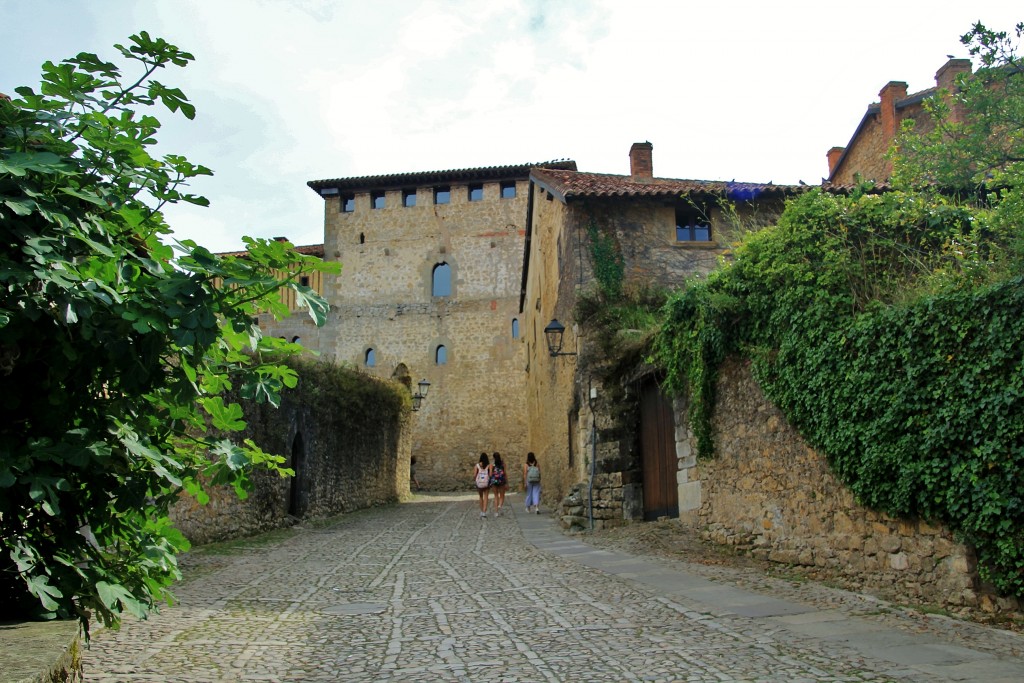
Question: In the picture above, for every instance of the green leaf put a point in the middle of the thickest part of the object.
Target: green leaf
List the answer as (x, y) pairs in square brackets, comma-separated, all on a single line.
[(224, 417), (317, 305), (112, 594), (39, 585), (20, 163), (21, 207)]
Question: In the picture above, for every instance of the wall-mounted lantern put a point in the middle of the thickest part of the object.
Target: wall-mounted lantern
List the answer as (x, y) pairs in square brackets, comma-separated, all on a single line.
[(421, 393), (554, 332)]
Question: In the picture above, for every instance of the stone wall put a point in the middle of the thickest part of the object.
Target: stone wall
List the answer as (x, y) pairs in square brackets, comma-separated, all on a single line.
[(383, 300), (558, 433), (768, 492), (558, 389), (41, 652), (346, 436)]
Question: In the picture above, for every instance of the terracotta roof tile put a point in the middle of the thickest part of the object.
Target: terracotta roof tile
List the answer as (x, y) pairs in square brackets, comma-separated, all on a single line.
[(308, 250), (567, 185), (401, 180)]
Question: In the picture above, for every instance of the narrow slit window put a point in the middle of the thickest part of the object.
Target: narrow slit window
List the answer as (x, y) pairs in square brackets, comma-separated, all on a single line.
[(441, 355), (515, 328), (442, 280), (371, 358)]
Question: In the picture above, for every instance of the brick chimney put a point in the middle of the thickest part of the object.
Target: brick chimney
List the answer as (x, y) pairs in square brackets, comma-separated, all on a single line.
[(641, 165), (946, 76), (834, 155), (890, 95), (945, 79)]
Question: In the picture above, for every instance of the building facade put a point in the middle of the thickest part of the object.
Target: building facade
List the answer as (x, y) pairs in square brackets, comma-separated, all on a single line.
[(614, 451), (298, 327), (429, 289), (865, 154)]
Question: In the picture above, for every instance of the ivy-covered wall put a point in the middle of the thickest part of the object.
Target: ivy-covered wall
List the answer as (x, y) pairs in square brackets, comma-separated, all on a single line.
[(768, 492), (345, 435)]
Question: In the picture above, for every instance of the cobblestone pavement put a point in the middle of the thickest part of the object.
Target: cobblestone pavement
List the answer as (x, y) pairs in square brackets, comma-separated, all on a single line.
[(429, 591)]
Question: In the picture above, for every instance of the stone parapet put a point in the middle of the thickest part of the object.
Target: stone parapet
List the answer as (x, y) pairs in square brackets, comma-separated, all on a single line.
[(40, 652)]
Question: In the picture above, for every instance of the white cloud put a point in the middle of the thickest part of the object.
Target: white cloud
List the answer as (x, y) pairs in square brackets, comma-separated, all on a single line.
[(290, 91)]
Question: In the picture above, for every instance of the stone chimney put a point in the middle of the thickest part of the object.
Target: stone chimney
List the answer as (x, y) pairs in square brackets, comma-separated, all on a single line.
[(893, 92), (834, 155), (641, 166)]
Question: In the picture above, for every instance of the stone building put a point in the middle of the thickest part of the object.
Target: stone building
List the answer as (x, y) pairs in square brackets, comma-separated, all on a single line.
[(619, 441), (429, 289), (298, 327), (864, 154)]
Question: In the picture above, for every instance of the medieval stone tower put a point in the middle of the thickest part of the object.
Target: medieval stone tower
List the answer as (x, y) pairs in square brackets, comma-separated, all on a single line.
[(429, 289)]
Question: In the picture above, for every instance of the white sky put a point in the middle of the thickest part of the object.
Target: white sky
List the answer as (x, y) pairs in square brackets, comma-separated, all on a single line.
[(294, 90)]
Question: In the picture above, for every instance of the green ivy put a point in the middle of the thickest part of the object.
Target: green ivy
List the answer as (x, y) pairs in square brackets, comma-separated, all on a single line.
[(609, 266), (890, 354)]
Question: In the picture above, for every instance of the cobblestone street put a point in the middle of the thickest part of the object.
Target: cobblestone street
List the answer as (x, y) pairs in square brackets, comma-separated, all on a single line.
[(429, 591)]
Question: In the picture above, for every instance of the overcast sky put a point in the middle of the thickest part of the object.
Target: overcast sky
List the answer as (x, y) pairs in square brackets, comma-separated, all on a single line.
[(289, 91)]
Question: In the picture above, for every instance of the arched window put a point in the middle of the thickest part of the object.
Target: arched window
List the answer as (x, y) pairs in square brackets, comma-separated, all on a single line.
[(297, 340), (442, 283), (515, 328), (371, 358), (441, 355)]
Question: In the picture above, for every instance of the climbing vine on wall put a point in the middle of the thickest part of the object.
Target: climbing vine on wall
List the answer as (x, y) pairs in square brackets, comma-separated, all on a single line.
[(609, 266), (870, 335)]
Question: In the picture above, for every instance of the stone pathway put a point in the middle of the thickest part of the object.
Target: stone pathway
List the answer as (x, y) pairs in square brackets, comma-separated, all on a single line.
[(428, 591)]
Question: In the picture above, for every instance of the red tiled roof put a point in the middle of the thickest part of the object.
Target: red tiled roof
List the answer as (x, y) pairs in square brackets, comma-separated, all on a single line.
[(568, 185), (402, 180), (308, 250)]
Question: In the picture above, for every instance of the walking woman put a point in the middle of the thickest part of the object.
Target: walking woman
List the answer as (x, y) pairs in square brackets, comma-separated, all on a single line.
[(482, 477), (499, 482), (531, 478)]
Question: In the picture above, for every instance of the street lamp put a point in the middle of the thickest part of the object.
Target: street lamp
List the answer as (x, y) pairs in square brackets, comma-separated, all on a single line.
[(421, 393), (554, 332)]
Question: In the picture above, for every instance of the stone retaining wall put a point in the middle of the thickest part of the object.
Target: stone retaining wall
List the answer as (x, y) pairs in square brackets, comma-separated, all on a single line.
[(766, 491), (40, 652), (345, 435)]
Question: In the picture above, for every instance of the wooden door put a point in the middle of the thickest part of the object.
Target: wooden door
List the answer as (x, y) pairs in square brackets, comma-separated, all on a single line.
[(298, 491), (658, 454)]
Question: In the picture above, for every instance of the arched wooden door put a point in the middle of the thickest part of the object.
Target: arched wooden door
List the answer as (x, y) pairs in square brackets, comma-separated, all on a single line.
[(298, 493), (658, 453)]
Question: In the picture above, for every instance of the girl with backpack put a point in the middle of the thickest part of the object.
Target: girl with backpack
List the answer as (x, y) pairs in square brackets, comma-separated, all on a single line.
[(482, 477), (531, 480), (499, 482)]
